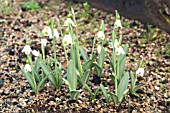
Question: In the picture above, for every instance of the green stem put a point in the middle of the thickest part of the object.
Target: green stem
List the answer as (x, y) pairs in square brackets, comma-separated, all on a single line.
[(94, 41), (65, 52)]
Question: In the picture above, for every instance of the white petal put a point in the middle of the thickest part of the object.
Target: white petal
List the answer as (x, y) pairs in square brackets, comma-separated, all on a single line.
[(116, 44), (117, 24), (27, 68), (67, 40), (119, 50), (69, 21), (99, 49), (35, 53), (26, 49), (140, 71), (56, 34), (44, 42), (101, 35)]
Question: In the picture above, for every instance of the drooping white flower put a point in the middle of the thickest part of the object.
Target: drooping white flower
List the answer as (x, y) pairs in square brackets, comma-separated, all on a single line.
[(47, 31), (119, 50), (110, 45), (44, 42), (67, 40), (26, 49), (101, 35), (117, 24), (140, 72), (35, 53), (116, 43), (99, 49), (27, 68), (69, 21)]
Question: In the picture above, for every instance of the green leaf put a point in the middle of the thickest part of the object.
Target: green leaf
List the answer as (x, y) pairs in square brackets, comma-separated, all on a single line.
[(87, 65), (48, 73), (78, 60), (122, 87), (97, 69), (95, 94), (105, 93), (30, 79), (36, 69), (113, 97), (74, 94), (132, 80), (85, 79), (89, 90), (113, 78), (137, 88), (101, 58), (71, 75), (42, 82), (58, 77), (83, 54)]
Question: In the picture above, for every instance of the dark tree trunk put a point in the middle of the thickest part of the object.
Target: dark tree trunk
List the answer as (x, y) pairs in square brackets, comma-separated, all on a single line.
[(156, 12)]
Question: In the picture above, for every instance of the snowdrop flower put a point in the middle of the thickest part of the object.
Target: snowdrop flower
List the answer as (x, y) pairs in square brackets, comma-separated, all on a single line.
[(27, 68), (119, 50), (26, 49), (44, 42), (99, 49), (47, 31), (117, 24), (116, 44), (69, 21), (35, 53), (67, 40), (140, 71), (101, 35)]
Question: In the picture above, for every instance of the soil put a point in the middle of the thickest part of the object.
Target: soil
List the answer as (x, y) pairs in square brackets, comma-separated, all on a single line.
[(145, 42)]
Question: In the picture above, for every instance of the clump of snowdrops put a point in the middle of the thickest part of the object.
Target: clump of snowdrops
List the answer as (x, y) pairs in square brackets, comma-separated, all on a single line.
[(77, 72)]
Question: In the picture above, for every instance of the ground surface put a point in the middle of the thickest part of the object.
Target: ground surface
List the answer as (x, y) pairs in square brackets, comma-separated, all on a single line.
[(145, 42)]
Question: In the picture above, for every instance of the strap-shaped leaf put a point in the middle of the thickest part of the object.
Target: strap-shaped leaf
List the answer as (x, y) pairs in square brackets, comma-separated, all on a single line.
[(138, 87), (42, 82), (48, 72), (74, 94), (36, 69), (87, 65), (101, 58), (122, 87), (96, 92), (104, 93), (30, 79), (89, 90), (132, 81), (79, 61), (71, 75), (85, 79), (83, 54), (112, 78), (97, 69), (113, 97)]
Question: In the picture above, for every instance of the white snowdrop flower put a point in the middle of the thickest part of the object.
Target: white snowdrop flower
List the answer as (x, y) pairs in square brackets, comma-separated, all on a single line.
[(119, 50), (27, 68), (69, 21), (117, 24), (116, 44), (35, 53), (44, 42), (56, 34), (26, 49), (101, 35), (47, 31), (99, 49), (140, 71), (67, 40)]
